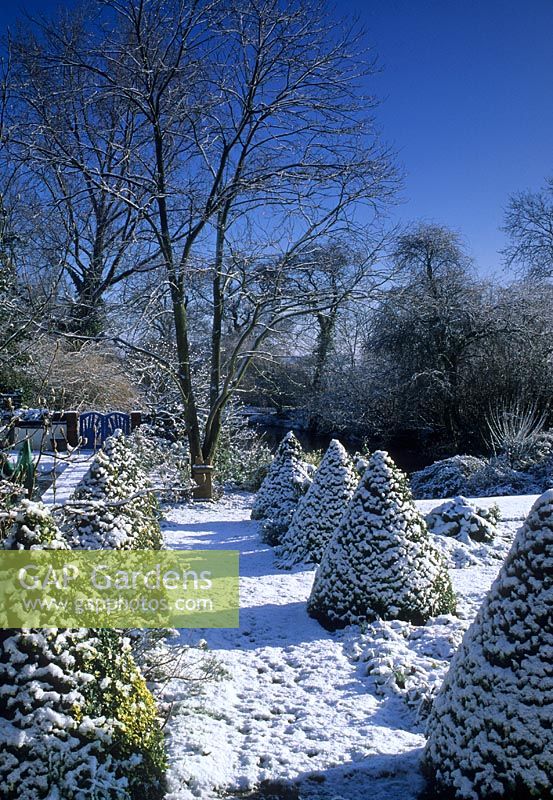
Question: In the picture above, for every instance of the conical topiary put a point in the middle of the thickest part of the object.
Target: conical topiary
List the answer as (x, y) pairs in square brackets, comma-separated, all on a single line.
[(320, 510), (278, 495), (380, 562), (490, 731), (118, 510)]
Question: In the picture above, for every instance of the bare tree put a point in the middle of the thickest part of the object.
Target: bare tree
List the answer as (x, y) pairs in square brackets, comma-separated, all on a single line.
[(427, 325), (529, 226), (74, 149), (252, 143)]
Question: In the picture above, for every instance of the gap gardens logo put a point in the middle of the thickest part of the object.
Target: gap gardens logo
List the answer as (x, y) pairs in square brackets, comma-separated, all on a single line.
[(119, 589)]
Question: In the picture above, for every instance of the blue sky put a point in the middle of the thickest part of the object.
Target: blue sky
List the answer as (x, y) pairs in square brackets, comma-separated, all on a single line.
[(467, 103), (467, 88)]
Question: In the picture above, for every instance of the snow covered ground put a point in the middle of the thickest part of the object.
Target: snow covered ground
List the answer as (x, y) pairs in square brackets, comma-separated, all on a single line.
[(305, 713)]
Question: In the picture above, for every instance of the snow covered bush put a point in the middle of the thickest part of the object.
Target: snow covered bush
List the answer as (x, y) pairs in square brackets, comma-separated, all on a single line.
[(287, 480), (446, 478), (490, 733), (77, 720), (11, 495), (115, 472), (33, 527), (409, 661), (478, 477), (497, 478), (380, 562), (121, 697), (167, 462), (460, 519), (321, 509), (97, 525), (115, 511)]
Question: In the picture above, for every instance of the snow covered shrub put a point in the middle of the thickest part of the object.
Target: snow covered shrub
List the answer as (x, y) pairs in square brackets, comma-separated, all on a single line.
[(460, 519), (380, 562), (473, 477), (278, 496), (167, 462), (409, 661), (490, 732), (321, 509), (497, 478), (33, 527), (120, 695), (115, 472), (446, 478), (76, 719), (95, 525), (114, 512)]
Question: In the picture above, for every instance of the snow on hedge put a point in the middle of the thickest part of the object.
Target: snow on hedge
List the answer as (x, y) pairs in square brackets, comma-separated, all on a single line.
[(490, 732), (287, 480), (466, 522), (76, 718), (380, 562), (445, 478), (320, 510), (114, 511)]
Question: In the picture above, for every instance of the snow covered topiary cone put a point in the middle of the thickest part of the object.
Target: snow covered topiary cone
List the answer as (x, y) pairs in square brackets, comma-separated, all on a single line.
[(115, 472), (490, 729), (320, 510), (380, 562), (117, 514), (278, 495)]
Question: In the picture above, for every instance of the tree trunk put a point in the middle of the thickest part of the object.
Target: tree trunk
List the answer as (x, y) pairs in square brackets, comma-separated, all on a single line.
[(327, 324)]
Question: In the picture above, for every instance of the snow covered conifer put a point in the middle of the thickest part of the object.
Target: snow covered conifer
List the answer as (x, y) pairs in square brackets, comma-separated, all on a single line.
[(490, 732), (117, 513), (283, 486), (320, 510), (380, 562), (114, 472)]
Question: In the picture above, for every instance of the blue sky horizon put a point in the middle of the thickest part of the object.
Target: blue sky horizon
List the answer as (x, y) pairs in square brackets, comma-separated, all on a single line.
[(464, 103)]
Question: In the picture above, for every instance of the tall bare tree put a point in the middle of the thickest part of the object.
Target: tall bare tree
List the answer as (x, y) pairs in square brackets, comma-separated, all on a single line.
[(529, 226), (74, 148), (251, 143)]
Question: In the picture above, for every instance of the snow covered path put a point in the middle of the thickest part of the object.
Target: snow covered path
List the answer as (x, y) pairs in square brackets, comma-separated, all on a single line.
[(294, 709), (294, 706)]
